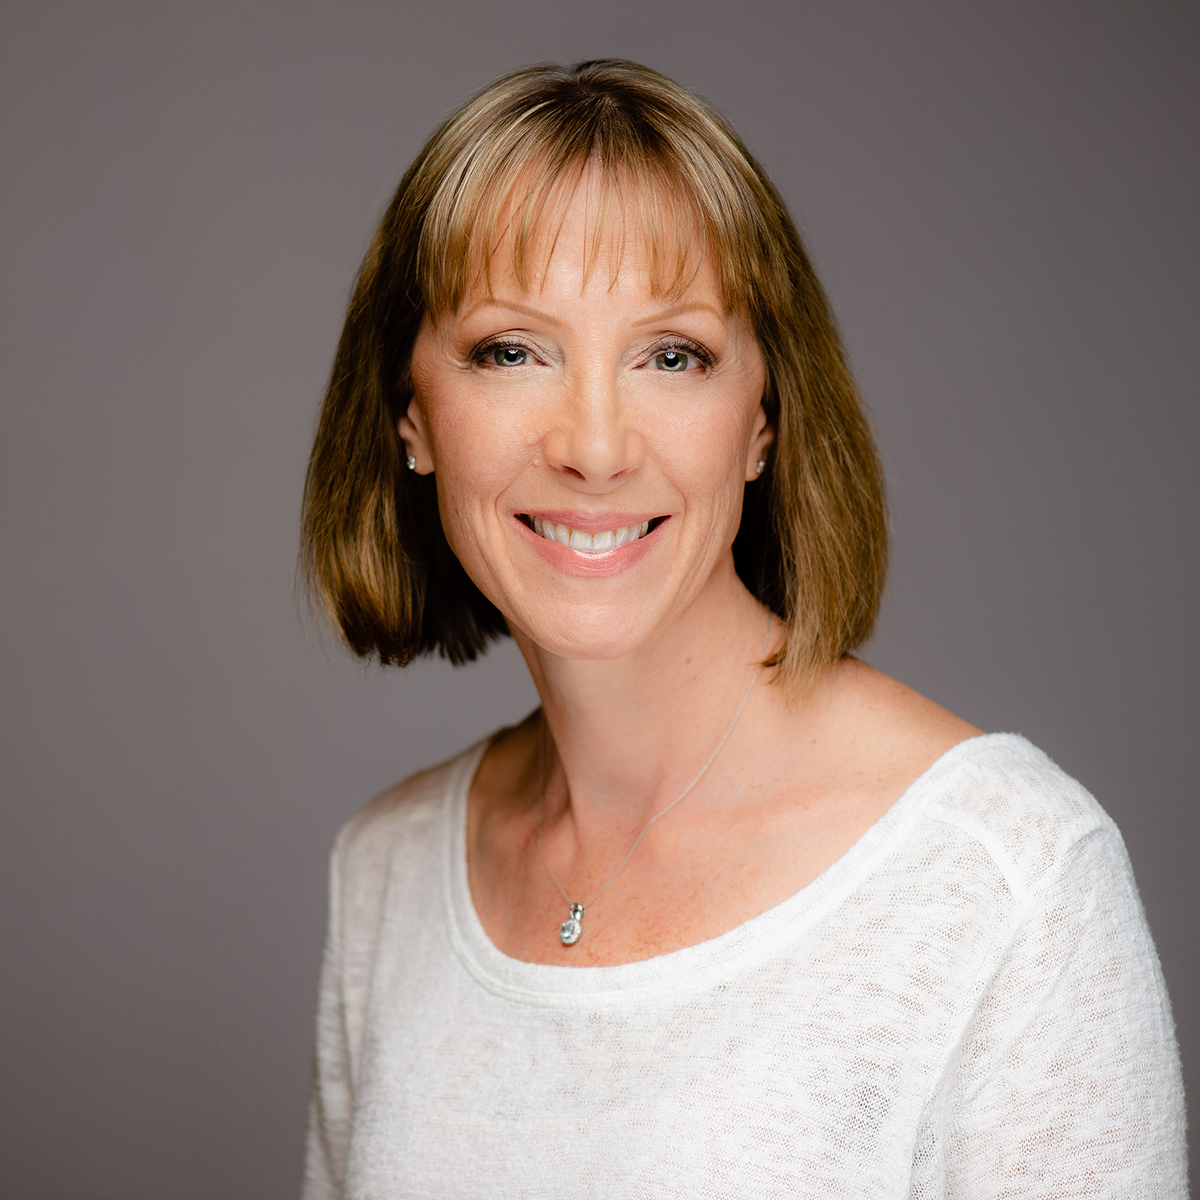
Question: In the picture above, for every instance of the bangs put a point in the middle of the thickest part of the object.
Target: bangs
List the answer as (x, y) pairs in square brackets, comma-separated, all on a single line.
[(515, 223), (655, 185)]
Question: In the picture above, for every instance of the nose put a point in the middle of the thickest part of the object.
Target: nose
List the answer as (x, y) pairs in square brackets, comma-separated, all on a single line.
[(590, 436)]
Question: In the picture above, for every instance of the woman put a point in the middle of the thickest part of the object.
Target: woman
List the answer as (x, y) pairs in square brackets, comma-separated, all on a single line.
[(732, 914)]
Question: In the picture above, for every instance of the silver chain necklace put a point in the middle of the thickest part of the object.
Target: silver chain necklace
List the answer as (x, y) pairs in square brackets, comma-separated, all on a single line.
[(571, 929)]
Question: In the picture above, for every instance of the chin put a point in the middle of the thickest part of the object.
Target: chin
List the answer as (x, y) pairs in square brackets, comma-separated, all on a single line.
[(588, 633)]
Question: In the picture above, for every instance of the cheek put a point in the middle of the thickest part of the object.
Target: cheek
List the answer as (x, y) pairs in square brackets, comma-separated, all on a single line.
[(475, 429), (475, 458), (704, 450)]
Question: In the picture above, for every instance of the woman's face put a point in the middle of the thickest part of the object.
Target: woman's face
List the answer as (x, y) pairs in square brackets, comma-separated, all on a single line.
[(591, 442)]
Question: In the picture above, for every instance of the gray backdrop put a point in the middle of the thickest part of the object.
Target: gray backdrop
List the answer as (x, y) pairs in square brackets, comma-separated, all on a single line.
[(1002, 199)]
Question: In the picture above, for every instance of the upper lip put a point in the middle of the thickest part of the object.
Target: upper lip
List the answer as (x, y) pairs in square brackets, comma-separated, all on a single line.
[(589, 522)]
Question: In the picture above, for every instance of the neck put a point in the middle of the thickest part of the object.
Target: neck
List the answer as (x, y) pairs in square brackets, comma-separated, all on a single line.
[(626, 735)]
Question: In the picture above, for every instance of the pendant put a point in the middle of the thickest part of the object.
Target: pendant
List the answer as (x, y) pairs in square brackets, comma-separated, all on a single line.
[(571, 929)]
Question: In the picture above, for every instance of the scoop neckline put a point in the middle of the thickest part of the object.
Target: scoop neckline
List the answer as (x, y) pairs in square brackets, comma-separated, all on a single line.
[(698, 967)]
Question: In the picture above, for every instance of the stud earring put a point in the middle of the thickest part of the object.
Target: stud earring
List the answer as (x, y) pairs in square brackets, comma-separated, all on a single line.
[(760, 466), (412, 463)]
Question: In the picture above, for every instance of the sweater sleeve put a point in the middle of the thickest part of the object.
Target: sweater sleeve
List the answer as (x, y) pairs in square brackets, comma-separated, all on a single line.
[(332, 1099), (1065, 1081)]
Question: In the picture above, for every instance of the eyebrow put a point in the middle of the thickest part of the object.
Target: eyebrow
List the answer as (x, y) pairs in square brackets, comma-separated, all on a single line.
[(512, 306), (679, 310)]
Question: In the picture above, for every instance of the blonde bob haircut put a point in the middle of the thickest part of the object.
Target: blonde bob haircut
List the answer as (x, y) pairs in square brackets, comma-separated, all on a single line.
[(812, 544)]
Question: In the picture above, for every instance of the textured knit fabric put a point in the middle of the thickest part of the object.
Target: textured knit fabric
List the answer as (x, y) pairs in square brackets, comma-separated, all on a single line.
[(966, 1004)]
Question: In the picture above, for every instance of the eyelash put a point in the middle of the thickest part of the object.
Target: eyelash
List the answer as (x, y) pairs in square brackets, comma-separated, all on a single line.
[(482, 352), (683, 345)]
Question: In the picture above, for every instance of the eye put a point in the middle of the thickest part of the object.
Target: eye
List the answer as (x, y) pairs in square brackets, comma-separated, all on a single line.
[(507, 356), (679, 356), (671, 360)]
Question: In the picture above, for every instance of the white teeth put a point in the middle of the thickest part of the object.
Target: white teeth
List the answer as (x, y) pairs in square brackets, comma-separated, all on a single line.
[(589, 543)]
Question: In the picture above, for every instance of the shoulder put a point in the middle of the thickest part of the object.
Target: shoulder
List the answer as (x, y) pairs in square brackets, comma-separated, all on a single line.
[(998, 791), (1029, 816), (402, 820)]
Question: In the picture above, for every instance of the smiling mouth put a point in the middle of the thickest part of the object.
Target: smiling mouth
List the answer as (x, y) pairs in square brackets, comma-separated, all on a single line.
[(590, 543)]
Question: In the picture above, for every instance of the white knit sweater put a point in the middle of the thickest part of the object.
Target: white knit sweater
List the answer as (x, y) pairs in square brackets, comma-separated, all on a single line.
[(967, 1004)]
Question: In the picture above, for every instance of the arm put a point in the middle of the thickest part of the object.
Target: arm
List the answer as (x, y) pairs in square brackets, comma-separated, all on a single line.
[(332, 1100), (1065, 1081)]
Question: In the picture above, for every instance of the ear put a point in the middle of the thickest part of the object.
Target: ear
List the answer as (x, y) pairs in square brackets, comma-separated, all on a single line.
[(761, 439), (414, 433)]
